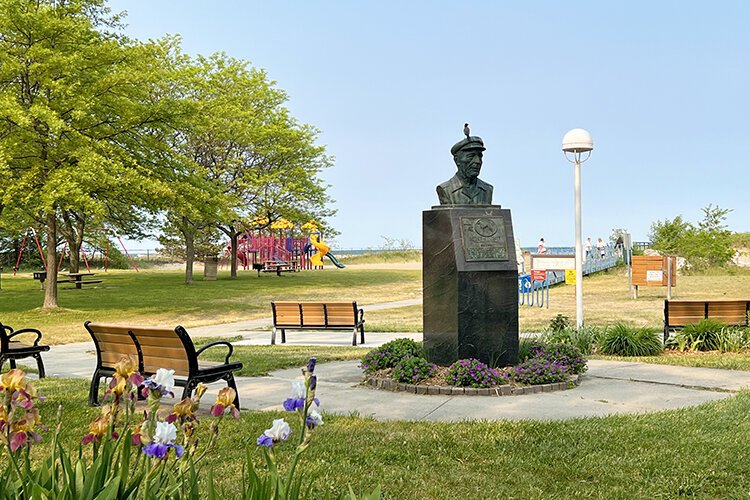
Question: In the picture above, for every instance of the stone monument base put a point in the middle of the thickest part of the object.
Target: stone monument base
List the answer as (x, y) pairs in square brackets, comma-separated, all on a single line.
[(470, 285)]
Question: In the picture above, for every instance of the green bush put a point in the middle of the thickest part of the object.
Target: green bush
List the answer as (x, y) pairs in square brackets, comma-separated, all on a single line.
[(732, 339), (701, 336), (559, 323), (624, 340), (412, 370), (473, 373), (390, 354), (584, 338), (528, 347)]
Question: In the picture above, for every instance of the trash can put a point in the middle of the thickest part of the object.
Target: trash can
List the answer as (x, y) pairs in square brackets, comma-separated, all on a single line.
[(210, 268)]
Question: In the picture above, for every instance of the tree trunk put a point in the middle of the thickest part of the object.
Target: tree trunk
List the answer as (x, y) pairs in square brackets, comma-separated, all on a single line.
[(50, 289), (189, 250), (234, 238), (74, 237)]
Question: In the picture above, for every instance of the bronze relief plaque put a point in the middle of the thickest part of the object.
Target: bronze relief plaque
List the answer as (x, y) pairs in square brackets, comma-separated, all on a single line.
[(483, 238)]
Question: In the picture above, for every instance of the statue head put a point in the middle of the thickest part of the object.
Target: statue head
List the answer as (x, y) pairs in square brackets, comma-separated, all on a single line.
[(467, 154)]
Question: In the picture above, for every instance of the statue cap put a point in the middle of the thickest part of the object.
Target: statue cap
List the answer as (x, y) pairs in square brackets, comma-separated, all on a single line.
[(472, 142)]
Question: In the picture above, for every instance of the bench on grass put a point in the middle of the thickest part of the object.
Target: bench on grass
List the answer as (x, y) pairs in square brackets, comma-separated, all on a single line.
[(12, 349), (317, 316), (158, 347), (679, 313)]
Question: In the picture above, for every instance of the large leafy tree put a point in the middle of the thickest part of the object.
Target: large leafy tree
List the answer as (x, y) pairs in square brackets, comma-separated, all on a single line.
[(261, 161), (83, 115), (708, 244)]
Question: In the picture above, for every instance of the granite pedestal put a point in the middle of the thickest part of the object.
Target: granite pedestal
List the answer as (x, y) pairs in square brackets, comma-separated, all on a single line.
[(470, 285)]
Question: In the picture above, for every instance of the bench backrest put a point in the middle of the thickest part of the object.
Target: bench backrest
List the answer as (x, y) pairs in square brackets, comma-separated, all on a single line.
[(686, 312), (112, 343), (156, 347), (314, 314)]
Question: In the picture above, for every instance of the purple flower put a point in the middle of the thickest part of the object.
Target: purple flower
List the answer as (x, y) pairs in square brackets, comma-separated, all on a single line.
[(311, 364), (294, 404), (264, 440)]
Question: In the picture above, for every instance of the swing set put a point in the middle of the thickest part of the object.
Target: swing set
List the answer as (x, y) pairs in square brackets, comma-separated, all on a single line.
[(65, 247)]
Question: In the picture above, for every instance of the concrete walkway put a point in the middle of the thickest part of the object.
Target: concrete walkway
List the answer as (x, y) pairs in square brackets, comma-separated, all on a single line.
[(609, 387)]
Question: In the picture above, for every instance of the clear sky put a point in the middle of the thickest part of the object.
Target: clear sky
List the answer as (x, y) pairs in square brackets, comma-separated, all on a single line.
[(663, 87)]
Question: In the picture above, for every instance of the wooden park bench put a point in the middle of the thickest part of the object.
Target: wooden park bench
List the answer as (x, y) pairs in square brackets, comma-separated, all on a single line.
[(317, 316), (12, 349), (157, 347), (679, 313)]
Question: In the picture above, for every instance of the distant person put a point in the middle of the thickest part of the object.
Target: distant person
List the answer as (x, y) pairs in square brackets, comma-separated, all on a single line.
[(601, 248), (587, 247), (540, 248), (619, 245)]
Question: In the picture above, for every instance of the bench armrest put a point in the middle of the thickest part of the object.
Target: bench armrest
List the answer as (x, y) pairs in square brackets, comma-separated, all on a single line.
[(361, 316), (213, 344), (28, 330)]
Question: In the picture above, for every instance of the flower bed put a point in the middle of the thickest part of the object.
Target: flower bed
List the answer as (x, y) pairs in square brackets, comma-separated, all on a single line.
[(383, 381), (543, 367)]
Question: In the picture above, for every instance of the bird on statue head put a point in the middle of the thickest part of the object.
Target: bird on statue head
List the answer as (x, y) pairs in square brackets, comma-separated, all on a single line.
[(467, 132)]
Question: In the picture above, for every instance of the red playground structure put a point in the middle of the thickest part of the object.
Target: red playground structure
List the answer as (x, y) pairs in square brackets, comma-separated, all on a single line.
[(264, 252)]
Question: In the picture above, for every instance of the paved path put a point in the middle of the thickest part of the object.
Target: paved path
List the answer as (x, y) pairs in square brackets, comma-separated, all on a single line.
[(609, 387)]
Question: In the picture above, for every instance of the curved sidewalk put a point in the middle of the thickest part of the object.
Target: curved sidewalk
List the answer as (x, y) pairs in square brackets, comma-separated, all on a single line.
[(609, 387)]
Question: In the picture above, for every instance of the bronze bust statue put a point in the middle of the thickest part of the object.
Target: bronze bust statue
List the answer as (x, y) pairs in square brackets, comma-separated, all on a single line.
[(466, 188)]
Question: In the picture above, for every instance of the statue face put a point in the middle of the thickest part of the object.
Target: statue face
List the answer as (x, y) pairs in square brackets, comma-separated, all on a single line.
[(469, 163)]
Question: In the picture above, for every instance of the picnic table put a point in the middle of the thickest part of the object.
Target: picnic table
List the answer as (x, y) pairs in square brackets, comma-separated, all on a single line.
[(79, 279)]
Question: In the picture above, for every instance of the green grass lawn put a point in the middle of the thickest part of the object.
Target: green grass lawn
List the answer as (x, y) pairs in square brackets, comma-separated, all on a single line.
[(162, 298), (698, 452), (261, 360), (712, 359)]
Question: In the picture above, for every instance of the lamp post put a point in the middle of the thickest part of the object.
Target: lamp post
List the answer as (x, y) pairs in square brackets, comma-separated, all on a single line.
[(577, 146)]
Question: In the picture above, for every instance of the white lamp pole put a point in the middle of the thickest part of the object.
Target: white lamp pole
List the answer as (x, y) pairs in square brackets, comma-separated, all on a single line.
[(577, 146)]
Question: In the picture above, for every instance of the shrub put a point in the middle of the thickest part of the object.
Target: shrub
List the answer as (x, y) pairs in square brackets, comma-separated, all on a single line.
[(584, 338), (473, 373), (539, 371), (557, 352), (528, 347), (732, 339), (701, 336), (558, 323), (390, 354), (412, 370), (624, 340)]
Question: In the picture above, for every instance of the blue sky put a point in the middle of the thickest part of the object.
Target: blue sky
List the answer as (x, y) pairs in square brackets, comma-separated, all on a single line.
[(661, 86)]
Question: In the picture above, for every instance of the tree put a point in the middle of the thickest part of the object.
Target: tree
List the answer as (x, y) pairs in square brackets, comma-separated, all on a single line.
[(706, 245), (82, 116), (667, 236), (261, 163)]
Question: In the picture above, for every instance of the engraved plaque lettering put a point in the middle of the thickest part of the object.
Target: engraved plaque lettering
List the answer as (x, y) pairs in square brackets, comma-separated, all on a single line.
[(483, 238)]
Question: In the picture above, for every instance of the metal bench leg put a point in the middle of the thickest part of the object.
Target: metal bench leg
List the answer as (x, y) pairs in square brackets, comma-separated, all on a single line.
[(283, 336), (354, 336), (39, 365), (273, 336), (231, 383), (362, 334), (12, 363), (94, 389), (2, 362), (188, 390)]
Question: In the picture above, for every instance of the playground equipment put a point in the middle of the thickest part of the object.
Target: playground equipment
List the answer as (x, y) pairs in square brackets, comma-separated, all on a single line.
[(323, 250), (23, 244)]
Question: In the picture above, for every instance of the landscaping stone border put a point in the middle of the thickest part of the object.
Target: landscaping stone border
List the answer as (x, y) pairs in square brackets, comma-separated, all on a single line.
[(387, 384)]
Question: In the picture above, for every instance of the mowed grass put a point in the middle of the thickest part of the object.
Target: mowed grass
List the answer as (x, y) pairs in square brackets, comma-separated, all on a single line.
[(698, 452), (162, 298), (605, 298), (261, 360)]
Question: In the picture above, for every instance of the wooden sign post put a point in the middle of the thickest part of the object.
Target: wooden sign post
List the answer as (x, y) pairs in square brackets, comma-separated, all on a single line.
[(654, 270)]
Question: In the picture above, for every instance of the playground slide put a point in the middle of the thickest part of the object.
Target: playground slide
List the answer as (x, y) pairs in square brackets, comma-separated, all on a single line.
[(323, 251)]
